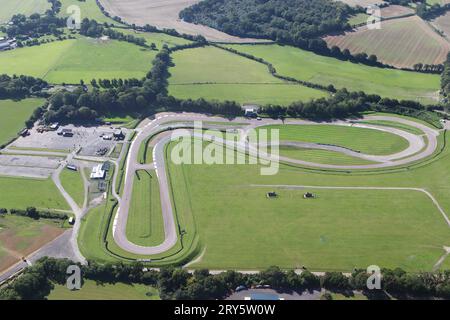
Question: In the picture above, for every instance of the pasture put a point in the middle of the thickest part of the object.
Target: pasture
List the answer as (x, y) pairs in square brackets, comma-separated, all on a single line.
[(400, 42), (26, 7), (21, 236), (105, 291), (88, 9), (14, 114), (70, 61), (368, 141), (16, 194), (145, 225), (216, 74), (307, 66)]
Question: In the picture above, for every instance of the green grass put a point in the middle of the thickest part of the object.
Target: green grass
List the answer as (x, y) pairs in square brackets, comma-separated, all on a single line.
[(70, 61), (26, 7), (13, 116), (307, 66), (74, 185), (93, 291), (145, 225), (216, 74), (339, 230), (21, 193), (88, 9), (159, 39), (368, 141), (321, 156)]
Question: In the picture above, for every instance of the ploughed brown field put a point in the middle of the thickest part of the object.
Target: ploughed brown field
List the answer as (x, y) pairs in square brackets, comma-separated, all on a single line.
[(163, 14), (400, 42)]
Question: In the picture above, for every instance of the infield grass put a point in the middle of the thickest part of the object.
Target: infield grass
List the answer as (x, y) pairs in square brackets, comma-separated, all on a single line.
[(73, 183)]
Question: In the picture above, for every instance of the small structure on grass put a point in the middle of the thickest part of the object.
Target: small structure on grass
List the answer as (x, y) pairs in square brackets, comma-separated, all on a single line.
[(308, 195), (271, 194)]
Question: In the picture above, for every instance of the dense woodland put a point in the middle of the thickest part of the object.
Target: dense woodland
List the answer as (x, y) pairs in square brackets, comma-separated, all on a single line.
[(17, 87), (296, 22), (174, 283)]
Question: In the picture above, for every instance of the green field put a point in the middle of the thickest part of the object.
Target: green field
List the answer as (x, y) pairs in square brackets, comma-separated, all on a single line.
[(73, 183), (212, 73), (321, 156), (159, 39), (145, 224), (26, 7), (88, 9), (93, 291), (21, 193), (14, 114), (393, 124), (307, 66), (339, 230), (70, 61), (368, 141)]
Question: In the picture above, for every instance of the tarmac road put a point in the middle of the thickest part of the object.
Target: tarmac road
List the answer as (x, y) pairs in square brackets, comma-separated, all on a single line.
[(414, 152)]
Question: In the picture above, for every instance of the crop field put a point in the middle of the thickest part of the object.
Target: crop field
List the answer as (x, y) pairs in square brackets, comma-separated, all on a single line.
[(307, 66), (70, 61), (442, 23), (396, 11), (198, 73), (26, 7), (145, 224), (16, 194), (367, 141), (73, 183), (13, 116), (20, 236), (338, 230), (400, 42), (164, 15), (88, 9), (99, 291)]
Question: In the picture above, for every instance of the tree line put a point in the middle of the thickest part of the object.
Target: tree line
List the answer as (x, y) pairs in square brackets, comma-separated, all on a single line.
[(18, 87), (38, 281), (445, 78), (35, 26)]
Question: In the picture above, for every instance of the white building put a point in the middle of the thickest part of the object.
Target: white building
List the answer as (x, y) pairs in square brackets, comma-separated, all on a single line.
[(98, 172)]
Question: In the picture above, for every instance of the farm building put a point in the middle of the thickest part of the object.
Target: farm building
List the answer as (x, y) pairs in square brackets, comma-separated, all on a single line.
[(251, 110), (98, 172)]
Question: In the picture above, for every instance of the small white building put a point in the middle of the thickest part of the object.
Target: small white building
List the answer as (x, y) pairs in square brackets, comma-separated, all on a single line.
[(251, 110), (98, 172)]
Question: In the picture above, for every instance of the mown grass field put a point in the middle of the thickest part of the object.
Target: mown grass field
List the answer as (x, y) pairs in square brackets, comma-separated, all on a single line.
[(73, 183), (20, 236), (13, 116), (368, 141), (93, 291), (393, 124), (145, 225), (70, 61), (400, 42), (26, 7), (320, 156), (20, 193), (307, 66), (216, 74), (339, 230)]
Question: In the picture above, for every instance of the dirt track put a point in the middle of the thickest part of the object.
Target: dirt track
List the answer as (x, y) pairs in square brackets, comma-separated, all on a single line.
[(163, 14)]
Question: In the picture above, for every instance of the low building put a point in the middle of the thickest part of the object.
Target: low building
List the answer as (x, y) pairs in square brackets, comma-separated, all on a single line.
[(251, 111), (7, 44), (98, 172)]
